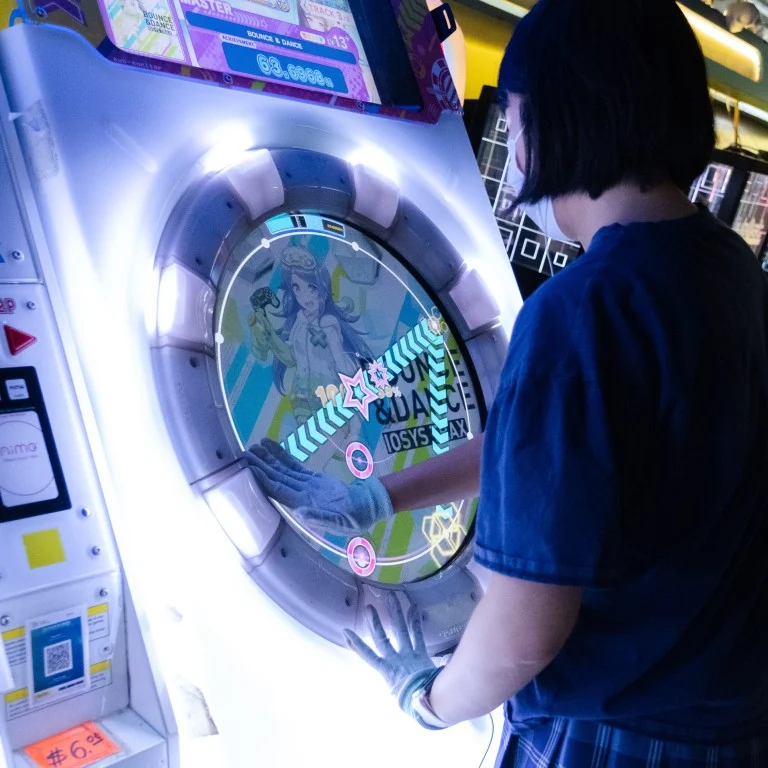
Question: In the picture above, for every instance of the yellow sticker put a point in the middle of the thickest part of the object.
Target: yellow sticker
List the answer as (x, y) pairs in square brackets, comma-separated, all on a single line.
[(44, 548), (101, 666), (13, 634), (17, 695), (96, 609), (7, 7)]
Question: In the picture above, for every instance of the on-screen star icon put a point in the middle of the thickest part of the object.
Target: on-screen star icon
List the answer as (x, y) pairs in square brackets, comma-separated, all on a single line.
[(357, 393)]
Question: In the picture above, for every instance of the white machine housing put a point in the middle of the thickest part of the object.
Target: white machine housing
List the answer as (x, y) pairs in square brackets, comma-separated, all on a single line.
[(105, 154)]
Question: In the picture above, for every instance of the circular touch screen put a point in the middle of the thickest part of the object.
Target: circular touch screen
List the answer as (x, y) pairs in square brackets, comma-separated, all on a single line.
[(328, 344)]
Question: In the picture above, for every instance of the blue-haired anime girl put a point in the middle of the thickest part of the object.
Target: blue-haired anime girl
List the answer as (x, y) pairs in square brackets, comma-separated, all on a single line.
[(317, 340)]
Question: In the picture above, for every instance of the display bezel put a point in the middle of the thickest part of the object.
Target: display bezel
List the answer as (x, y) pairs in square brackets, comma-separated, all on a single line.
[(212, 214)]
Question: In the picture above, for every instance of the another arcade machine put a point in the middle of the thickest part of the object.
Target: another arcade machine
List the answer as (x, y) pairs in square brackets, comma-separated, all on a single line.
[(266, 220), (734, 187), (533, 256)]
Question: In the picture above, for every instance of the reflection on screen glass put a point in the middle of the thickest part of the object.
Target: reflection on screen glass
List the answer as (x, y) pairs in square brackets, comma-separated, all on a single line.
[(329, 345)]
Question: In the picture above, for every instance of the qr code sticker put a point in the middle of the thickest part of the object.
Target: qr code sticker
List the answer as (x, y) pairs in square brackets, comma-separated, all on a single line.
[(58, 658)]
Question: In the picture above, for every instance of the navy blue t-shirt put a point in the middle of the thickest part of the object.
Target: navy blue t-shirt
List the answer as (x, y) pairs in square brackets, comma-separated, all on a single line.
[(627, 453)]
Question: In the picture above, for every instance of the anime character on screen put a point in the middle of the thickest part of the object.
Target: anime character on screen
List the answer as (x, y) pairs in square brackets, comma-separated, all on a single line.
[(317, 339), (323, 15)]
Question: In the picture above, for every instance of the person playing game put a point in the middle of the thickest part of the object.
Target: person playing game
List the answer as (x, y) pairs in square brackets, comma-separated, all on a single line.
[(623, 513)]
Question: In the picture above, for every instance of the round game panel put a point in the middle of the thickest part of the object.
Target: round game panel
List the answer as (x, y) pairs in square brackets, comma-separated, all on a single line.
[(306, 300), (328, 344)]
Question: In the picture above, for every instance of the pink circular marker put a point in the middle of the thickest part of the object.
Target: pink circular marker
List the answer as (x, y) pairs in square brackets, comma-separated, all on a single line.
[(361, 557), (360, 474)]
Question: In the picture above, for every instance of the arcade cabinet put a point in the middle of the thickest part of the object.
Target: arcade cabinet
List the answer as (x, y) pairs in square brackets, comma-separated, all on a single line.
[(243, 220)]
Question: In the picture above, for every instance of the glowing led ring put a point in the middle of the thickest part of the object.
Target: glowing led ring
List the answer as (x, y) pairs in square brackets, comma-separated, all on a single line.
[(360, 474)]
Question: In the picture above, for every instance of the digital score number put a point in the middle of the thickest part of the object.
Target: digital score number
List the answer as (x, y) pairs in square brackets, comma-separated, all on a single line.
[(271, 67), (80, 746)]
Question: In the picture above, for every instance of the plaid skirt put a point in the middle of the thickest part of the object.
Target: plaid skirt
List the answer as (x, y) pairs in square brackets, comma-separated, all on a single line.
[(565, 743)]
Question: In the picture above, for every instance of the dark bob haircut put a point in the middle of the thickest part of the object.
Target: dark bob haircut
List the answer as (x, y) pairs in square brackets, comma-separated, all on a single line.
[(613, 91)]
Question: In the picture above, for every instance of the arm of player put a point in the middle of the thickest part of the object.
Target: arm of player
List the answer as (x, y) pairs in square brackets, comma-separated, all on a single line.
[(321, 500), (518, 628), (451, 476)]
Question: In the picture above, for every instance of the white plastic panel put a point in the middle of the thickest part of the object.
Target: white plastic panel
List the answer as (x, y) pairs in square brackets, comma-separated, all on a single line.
[(100, 598), (472, 298), (16, 258), (376, 197), (248, 519), (185, 307), (257, 183), (79, 533)]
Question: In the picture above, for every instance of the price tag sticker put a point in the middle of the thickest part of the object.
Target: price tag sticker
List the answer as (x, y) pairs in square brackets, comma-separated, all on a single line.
[(83, 745)]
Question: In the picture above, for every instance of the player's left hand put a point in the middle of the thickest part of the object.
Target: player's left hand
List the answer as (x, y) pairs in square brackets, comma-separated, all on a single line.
[(408, 670)]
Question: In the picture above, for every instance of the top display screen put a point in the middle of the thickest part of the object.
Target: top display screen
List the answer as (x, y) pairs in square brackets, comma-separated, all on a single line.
[(314, 44), (329, 344)]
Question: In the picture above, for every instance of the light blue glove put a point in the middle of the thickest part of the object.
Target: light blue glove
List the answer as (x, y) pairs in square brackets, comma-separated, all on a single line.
[(318, 500), (408, 670)]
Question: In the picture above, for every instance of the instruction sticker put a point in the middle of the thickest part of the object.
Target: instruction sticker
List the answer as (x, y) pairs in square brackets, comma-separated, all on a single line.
[(58, 656), (78, 747)]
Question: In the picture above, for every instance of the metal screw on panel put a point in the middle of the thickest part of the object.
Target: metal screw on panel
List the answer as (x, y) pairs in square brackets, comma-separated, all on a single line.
[(31, 305), (103, 592), (40, 13), (17, 255), (96, 550), (85, 512), (5, 621)]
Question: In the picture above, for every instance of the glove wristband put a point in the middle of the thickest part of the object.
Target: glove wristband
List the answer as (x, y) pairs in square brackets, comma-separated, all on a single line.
[(425, 715), (370, 501), (414, 700)]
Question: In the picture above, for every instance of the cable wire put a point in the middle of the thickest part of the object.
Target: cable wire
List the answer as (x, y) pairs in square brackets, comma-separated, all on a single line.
[(490, 742)]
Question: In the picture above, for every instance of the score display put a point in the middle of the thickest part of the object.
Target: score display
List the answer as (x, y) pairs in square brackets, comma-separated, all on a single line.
[(328, 344), (313, 44)]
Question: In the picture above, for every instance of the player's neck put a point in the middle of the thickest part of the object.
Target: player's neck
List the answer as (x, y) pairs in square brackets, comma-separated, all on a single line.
[(623, 204)]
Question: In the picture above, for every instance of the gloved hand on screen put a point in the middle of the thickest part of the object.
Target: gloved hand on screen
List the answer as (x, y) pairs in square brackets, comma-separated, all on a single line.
[(409, 670), (316, 499)]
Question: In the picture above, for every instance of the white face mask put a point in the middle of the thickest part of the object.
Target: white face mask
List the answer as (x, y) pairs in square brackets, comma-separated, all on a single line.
[(543, 212)]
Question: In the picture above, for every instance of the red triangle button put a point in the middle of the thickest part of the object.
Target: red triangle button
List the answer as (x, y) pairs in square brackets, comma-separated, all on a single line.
[(18, 340)]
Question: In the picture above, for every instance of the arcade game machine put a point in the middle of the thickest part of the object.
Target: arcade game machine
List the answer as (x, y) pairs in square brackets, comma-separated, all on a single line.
[(735, 188), (264, 219)]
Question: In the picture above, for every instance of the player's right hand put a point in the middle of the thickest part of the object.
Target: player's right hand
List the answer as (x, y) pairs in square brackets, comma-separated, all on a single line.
[(317, 500)]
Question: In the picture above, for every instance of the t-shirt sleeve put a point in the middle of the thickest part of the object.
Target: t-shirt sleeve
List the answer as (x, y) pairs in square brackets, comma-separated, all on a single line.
[(549, 506), (566, 441)]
